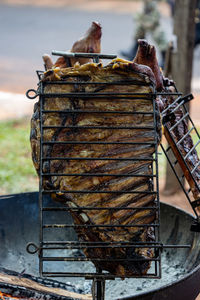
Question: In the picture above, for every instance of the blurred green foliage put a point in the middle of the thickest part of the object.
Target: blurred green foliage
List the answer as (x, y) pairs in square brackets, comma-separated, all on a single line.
[(17, 173)]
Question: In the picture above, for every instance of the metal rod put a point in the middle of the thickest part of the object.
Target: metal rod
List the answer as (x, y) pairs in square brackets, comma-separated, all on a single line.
[(102, 83), (195, 167), (97, 259), (97, 143), (97, 226), (181, 184), (98, 175), (40, 192), (99, 192), (94, 275), (99, 158), (188, 132), (97, 208), (100, 95), (171, 105), (179, 121), (85, 55), (186, 156), (99, 127), (137, 245), (192, 122), (78, 111), (110, 244)]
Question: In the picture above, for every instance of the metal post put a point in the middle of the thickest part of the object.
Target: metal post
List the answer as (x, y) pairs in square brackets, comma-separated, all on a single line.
[(98, 287)]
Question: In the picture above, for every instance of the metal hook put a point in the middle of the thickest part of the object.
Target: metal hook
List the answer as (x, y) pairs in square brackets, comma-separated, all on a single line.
[(28, 95), (31, 248)]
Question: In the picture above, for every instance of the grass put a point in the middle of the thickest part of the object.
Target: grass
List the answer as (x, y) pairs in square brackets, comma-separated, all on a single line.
[(17, 173)]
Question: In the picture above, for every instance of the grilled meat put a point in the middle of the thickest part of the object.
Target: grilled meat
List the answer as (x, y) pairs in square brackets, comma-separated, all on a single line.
[(100, 182), (47, 61), (181, 142), (146, 55)]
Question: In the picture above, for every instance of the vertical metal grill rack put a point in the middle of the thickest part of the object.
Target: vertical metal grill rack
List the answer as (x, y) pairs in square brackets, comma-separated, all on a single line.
[(55, 256), (186, 160)]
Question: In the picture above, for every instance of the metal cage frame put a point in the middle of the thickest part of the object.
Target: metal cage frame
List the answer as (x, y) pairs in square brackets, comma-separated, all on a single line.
[(99, 277)]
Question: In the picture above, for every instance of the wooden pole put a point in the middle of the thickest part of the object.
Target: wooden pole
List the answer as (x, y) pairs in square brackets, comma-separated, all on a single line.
[(181, 66)]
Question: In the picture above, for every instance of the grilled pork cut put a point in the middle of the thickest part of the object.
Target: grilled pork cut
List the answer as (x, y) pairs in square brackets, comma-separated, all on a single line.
[(176, 130), (94, 183), (177, 134)]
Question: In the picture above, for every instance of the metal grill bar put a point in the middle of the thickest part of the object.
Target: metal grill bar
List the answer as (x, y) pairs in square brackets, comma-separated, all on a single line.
[(84, 55), (97, 208), (184, 117), (111, 244), (186, 156), (96, 259), (195, 167), (111, 95), (103, 276), (171, 105), (182, 139), (99, 226), (99, 127), (97, 112), (182, 160), (99, 192), (179, 105), (102, 158), (128, 82), (98, 143), (97, 175), (128, 245)]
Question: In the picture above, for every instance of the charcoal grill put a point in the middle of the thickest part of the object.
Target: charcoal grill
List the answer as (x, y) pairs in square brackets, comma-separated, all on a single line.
[(19, 223), (53, 251)]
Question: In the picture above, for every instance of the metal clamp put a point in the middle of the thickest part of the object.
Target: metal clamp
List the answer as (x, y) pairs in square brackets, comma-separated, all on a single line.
[(186, 98)]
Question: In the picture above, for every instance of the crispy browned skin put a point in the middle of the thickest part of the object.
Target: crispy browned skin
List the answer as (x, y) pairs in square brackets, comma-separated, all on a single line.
[(120, 71), (48, 62), (90, 43)]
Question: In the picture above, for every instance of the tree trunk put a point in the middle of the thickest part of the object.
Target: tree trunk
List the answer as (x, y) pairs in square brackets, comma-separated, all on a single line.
[(181, 68)]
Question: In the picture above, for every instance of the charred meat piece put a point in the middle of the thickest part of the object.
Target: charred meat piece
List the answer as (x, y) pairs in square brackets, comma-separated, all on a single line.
[(146, 55), (181, 142), (102, 188)]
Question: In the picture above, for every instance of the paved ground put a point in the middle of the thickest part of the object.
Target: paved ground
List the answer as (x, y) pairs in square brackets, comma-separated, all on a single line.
[(28, 29)]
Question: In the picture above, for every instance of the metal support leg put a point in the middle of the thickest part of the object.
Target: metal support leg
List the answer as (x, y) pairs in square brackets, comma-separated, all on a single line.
[(98, 288)]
